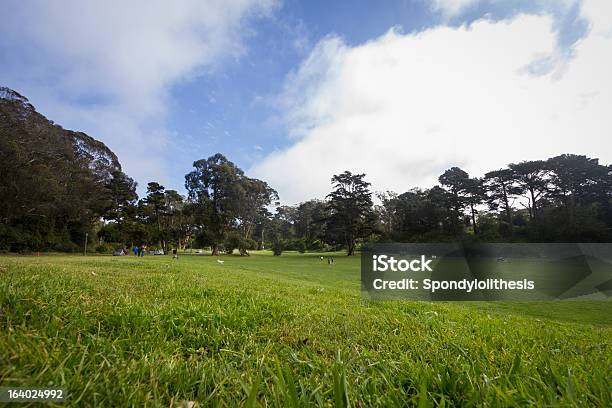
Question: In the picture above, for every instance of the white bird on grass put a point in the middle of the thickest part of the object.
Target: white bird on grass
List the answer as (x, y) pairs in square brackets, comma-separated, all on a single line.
[(220, 261)]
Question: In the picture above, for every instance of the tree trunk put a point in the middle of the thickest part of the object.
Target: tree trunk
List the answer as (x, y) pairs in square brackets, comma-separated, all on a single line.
[(351, 248), (533, 204), (508, 211), (262, 245), (571, 210), (473, 218), (215, 249), (456, 219)]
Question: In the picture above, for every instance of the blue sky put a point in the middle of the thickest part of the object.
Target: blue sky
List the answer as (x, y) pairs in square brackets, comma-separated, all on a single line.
[(166, 85), (233, 109)]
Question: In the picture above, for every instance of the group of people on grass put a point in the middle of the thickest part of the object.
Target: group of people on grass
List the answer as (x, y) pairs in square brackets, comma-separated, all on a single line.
[(139, 250)]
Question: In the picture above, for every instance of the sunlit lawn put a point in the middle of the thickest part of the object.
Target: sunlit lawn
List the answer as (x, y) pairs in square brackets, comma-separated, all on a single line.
[(284, 331)]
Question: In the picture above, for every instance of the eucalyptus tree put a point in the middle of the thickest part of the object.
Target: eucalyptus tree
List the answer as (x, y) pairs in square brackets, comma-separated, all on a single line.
[(55, 182), (310, 218), (225, 200), (213, 187), (253, 199)]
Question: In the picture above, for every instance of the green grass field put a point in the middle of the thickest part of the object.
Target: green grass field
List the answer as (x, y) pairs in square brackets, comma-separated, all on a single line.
[(288, 331)]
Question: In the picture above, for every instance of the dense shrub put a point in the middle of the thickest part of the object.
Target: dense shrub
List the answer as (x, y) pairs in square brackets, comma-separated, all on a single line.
[(301, 246), (105, 248), (277, 248), (236, 241), (69, 247), (316, 245)]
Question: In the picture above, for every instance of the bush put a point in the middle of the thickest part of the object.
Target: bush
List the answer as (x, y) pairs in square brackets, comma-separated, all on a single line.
[(316, 245), (235, 241), (277, 248), (104, 249), (249, 244), (301, 246), (232, 242), (69, 247), (246, 245)]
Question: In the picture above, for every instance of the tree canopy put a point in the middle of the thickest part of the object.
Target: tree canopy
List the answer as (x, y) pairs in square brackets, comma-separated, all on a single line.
[(224, 198), (351, 213), (58, 185)]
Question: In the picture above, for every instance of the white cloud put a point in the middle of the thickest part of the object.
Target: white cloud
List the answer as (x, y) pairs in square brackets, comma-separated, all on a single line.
[(107, 67), (451, 7), (402, 108)]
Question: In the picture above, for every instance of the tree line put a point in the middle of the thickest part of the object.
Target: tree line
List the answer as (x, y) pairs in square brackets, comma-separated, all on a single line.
[(566, 198), (58, 185)]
